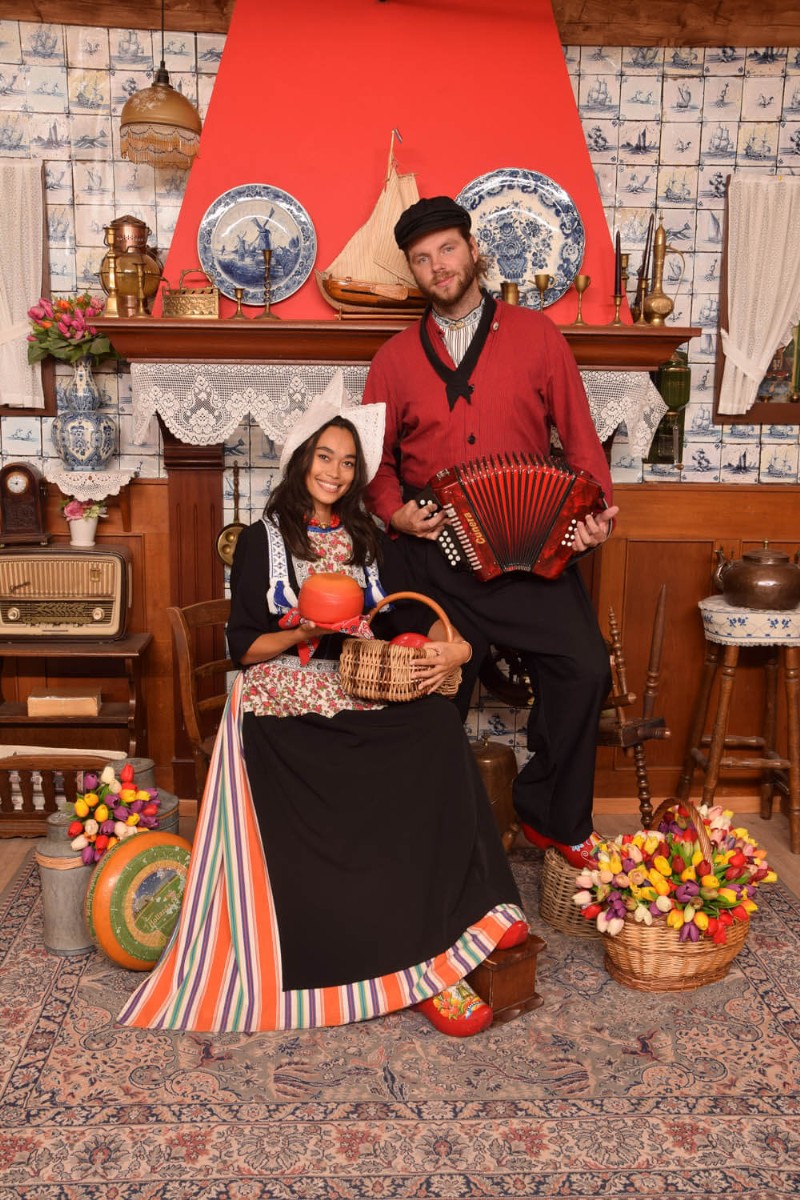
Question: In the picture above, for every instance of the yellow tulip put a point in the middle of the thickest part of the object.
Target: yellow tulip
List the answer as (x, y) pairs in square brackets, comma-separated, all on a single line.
[(659, 883), (675, 918), (101, 813), (662, 866), (709, 881), (133, 819), (688, 874), (728, 895), (81, 808), (91, 798), (701, 921)]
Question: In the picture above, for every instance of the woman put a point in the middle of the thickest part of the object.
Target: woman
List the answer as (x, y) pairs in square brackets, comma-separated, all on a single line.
[(346, 862)]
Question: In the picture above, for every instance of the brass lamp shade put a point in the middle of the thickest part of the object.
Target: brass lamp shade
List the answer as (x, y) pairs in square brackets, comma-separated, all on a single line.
[(160, 126)]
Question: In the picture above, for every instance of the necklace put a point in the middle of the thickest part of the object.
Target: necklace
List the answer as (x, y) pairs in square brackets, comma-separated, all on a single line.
[(316, 522)]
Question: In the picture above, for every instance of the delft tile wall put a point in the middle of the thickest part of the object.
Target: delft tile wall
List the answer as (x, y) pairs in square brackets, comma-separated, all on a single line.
[(664, 128)]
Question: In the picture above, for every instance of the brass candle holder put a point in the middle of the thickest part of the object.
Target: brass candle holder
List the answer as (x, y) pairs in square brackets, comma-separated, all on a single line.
[(617, 305), (581, 283), (238, 294), (267, 315), (543, 281), (111, 308)]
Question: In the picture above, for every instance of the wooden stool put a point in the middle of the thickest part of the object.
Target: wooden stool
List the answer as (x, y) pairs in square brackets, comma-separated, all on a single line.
[(728, 630), (507, 980)]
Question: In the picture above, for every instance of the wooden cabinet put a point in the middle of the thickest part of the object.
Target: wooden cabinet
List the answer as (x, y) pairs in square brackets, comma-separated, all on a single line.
[(669, 534)]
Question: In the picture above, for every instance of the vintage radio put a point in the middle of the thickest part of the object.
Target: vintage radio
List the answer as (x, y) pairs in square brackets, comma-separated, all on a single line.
[(65, 593)]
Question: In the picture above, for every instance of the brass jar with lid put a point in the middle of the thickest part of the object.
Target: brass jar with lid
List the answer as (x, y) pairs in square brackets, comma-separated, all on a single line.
[(129, 244)]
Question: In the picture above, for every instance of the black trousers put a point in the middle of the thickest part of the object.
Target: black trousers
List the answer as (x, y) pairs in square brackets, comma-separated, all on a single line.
[(552, 624)]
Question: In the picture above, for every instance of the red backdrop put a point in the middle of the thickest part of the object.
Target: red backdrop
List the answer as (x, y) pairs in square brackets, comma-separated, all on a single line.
[(307, 96)]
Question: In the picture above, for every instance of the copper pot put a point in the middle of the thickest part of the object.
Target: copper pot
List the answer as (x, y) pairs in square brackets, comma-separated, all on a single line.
[(763, 578)]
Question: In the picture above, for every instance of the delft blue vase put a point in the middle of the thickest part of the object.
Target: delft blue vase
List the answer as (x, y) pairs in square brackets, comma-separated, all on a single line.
[(84, 437)]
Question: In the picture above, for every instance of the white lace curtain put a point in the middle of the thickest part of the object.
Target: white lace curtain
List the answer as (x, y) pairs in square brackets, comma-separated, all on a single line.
[(22, 238), (763, 282)]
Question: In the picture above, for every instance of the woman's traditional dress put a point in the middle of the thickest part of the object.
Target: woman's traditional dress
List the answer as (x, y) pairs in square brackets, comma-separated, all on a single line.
[(346, 862)]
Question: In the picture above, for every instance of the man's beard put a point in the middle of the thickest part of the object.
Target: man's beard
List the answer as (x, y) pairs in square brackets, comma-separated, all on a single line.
[(463, 283)]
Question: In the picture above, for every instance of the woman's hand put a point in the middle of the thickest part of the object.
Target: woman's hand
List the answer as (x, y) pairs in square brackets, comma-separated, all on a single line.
[(441, 659)]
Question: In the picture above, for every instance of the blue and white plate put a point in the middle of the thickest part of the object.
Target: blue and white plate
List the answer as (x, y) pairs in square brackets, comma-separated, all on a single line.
[(240, 225), (525, 223)]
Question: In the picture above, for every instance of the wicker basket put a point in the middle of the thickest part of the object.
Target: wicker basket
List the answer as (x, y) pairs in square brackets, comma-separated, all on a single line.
[(653, 959), (555, 902), (377, 670)]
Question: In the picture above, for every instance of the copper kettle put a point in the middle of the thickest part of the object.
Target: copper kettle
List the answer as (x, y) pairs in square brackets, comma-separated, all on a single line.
[(763, 578)]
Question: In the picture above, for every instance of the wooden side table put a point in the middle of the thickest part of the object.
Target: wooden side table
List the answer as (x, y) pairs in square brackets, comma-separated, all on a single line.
[(126, 655), (728, 630)]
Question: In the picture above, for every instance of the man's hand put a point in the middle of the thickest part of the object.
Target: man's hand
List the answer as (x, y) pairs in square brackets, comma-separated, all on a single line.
[(594, 530), (419, 522)]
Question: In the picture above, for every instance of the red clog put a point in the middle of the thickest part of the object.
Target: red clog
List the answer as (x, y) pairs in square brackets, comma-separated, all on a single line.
[(577, 856), (515, 935), (457, 1011)]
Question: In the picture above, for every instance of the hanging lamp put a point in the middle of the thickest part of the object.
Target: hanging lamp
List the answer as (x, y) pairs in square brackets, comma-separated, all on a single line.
[(159, 125)]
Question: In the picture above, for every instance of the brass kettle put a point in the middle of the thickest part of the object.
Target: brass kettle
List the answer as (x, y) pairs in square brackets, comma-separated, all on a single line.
[(762, 578)]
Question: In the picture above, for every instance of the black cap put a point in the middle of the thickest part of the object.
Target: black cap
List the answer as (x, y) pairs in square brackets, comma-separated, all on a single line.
[(426, 216)]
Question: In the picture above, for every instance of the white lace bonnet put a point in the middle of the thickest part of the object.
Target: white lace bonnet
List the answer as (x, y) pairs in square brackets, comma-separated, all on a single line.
[(334, 401)]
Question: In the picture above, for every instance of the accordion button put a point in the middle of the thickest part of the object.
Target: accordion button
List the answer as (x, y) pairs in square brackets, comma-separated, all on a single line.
[(472, 439)]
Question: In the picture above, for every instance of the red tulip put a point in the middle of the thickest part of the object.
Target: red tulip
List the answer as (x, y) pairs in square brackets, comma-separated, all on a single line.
[(126, 774)]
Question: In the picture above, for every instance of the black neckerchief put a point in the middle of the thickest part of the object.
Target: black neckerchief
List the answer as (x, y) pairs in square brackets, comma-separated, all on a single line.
[(458, 381)]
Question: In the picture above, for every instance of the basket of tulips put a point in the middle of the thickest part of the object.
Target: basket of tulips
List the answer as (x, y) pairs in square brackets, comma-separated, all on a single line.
[(673, 902)]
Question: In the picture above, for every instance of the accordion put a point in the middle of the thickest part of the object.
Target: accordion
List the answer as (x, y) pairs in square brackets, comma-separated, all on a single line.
[(511, 513)]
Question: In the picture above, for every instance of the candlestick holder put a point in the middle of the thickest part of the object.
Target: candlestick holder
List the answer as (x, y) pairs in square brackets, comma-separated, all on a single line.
[(267, 315), (111, 307), (617, 303), (238, 295), (581, 283)]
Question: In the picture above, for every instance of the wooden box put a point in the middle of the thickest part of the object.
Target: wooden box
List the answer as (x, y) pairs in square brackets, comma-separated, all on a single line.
[(507, 979), (55, 702)]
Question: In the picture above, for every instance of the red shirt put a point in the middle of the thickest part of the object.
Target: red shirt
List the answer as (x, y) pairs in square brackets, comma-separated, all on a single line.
[(525, 382)]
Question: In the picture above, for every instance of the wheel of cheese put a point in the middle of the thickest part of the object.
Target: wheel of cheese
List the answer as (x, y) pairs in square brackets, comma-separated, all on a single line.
[(134, 897)]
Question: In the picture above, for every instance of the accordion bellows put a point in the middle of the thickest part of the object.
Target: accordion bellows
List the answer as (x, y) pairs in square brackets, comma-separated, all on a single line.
[(513, 512)]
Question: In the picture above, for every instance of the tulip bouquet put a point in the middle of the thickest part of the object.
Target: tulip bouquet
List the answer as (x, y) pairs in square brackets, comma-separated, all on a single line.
[(697, 885), (63, 328), (110, 810)]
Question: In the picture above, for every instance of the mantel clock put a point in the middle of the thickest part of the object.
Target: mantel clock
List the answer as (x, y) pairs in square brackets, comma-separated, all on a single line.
[(23, 494)]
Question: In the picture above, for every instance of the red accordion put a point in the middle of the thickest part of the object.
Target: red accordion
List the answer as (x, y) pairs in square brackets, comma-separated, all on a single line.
[(512, 513)]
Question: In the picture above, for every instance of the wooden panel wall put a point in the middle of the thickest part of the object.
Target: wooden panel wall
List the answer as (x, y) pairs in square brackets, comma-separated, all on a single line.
[(669, 534), (580, 22)]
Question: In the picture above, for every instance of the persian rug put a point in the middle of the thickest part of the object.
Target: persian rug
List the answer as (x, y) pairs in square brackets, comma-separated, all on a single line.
[(601, 1093)]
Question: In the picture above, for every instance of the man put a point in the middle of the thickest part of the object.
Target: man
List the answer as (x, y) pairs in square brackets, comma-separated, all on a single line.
[(477, 377)]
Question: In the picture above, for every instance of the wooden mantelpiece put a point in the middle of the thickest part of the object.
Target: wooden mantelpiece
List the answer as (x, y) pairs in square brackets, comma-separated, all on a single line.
[(172, 339)]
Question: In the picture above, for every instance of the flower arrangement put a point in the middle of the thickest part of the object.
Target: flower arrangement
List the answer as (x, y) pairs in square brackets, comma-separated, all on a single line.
[(663, 875), (76, 510), (63, 329), (110, 810)]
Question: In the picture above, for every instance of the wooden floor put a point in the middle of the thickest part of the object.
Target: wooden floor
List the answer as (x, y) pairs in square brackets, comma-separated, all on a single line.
[(772, 835)]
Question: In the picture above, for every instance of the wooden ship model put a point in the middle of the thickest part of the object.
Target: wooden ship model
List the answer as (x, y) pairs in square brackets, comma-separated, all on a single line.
[(370, 277)]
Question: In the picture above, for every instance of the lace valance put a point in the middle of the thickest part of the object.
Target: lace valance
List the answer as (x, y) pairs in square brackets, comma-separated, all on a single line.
[(203, 404), (87, 485)]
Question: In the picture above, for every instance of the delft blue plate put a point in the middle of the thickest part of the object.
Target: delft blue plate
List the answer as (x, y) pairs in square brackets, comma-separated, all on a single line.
[(243, 222), (525, 223)]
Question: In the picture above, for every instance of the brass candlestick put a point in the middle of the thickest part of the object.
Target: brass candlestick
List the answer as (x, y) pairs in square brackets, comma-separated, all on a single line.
[(111, 307), (267, 315), (657, 305), (141, 307), (581, 284), (624, 259), (543, 281), (617, 303), (238, 293)]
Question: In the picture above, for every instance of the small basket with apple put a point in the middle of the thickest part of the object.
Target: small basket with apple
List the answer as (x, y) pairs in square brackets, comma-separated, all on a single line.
[(373, 669)]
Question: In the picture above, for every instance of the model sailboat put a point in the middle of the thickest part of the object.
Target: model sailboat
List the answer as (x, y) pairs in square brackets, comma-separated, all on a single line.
[(370, 277)]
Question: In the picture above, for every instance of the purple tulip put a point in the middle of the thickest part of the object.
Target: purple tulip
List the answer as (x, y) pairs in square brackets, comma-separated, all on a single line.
[(107, 826), (689, 933), (136, 806), (146, 822), (687, 891), (89, 781), (87, 855), (121, 813)]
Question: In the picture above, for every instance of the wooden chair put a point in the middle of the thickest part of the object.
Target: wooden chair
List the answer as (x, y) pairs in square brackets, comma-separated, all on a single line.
[(24, 778), (618, 726), (198, 632)]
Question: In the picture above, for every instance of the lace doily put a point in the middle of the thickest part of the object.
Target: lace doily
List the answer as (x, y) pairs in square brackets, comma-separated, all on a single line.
[(729, 626), (625, 397), (204, 404), (88, 485)]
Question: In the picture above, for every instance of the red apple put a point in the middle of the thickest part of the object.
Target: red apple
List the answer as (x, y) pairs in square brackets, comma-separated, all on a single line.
[(410, 639)]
